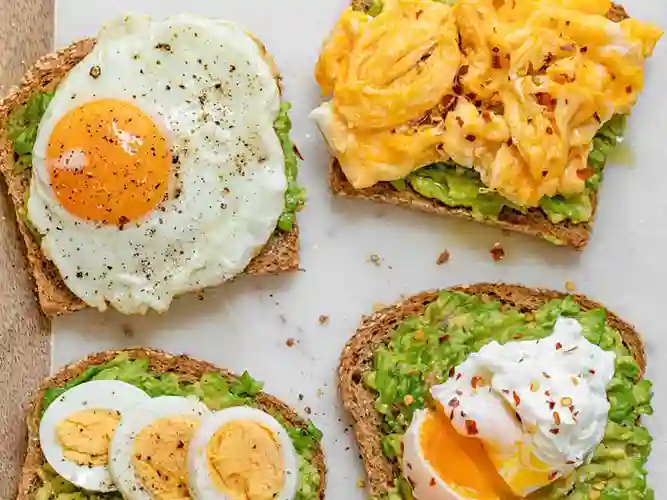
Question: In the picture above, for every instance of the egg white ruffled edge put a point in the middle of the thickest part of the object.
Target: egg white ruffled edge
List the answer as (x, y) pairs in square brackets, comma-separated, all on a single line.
[(132, 423), (97, 394), (201, 485)]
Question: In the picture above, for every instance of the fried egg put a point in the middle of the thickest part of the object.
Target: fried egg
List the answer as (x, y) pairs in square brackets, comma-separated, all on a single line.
[(157, 169), (242, 452), (148, 452), (77, 427), (512, 419), (516, 90)]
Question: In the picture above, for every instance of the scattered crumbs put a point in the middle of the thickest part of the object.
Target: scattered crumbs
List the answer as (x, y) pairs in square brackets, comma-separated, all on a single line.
[(323, 319), (375, 259), (361, 483), (199, 295), (497, 252), (320, 393), (290, 342), (308, 410), (570, 287), (443, 258)]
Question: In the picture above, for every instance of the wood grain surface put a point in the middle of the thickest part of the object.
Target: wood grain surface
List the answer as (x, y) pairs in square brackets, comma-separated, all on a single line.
[(26, 33)]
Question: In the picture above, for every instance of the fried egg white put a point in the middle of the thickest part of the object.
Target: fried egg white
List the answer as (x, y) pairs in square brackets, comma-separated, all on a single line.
[(76, 429), (157, 170), (242, 449), (148, 453)]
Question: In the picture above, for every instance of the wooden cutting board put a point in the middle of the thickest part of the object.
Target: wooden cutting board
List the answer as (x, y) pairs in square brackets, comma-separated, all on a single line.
[(26, 33)]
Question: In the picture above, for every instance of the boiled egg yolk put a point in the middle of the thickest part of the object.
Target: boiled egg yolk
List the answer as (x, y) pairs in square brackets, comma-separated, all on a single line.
[(85, 435), (460, 461), (160, 456), (108, 162), (245, 461)]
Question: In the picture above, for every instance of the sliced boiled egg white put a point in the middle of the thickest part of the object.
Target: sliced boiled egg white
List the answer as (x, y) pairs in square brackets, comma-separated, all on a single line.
[(242, 453), (148, 453), (441, 464), (77, 427)]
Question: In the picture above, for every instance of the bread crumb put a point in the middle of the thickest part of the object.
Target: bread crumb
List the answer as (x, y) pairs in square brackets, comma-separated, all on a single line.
[(324, 320), (497, 252), (290, 342), (361, 483), (443, 258), (408, 400), (375, 259), (570, 287)]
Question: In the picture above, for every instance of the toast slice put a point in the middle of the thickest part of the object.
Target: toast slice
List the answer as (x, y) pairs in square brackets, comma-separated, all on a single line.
[(533, 222), (280, 254), (376, 329), (187, 368)]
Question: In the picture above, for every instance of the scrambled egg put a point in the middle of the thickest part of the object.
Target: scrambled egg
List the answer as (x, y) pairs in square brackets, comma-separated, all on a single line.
[(245, 461), (85, 436), (515, 89), (160, 457)]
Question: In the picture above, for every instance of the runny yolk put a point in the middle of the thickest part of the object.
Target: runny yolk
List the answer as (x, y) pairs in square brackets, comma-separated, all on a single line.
[(108, 162), (461, 462)]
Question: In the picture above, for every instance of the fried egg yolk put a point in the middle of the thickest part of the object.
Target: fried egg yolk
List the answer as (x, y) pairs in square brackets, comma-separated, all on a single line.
[(85, 436), (472, 473), (160, 457), (108, 162), (245, 461)]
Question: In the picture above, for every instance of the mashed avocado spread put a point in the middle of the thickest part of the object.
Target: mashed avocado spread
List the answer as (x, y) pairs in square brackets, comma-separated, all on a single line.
[(24, 123), (458, 324), (213, 390)]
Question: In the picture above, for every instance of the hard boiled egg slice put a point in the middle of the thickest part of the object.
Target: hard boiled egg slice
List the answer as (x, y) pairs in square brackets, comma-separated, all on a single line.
[(76, 429), (242, 452), (147, 457), (441, 464)]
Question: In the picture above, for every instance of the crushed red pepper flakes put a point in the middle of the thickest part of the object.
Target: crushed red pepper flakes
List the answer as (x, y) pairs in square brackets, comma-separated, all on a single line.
[(451, 372), (517, 399), (497, 252), (556, 418), (553, 476), (443, 258), (552, 405), (471, 428), (559, 346), (554, 431), (459, 375), (454, 403)]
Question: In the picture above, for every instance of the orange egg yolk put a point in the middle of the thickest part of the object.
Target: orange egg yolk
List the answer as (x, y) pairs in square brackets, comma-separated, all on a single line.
[(108, 162), (461, 462)]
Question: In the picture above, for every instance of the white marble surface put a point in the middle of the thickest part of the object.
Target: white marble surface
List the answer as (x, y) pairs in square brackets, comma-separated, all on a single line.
[(245, 325)]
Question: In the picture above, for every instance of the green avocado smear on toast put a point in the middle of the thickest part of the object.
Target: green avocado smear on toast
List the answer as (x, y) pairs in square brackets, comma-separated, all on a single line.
[(212, 389), (24, 123), (458, 324)]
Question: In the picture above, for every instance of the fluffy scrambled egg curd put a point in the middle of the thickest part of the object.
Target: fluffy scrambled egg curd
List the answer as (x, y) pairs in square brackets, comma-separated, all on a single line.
[(515, 89), (160, 457), (245, 461), (85, 435)]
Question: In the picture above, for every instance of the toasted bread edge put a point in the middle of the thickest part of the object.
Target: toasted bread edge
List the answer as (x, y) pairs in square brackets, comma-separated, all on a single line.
[(375, 330)]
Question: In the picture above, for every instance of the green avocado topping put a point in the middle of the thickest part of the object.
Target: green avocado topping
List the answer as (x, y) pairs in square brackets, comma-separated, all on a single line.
[(457, 324), (24, 122), (457, 186), (212, 389)]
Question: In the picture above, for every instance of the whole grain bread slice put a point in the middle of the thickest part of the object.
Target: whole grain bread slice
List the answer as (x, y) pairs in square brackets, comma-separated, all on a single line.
[(376, 329), (280, 254), (187, 368), (533, 222)]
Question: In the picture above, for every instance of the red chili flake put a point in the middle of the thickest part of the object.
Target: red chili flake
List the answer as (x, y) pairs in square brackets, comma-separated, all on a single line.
[(554, 431), (470, 138), (556, 418), (443, 258), (497, 252), (570, 462), (290, 342), (583, 49), (552, 405), (545, 99), (553, 475), (418, 14), (432, 482), (476, 381), (510, 142), (550, 130), (454, 403), (517, 399), (559, 346), (585, 173), (591, 371), (518, 417), (471, 427), (459, 375), (297, 152), (486, 116), (597, 117), (451, 372), (443, 338), (459, 121), (495, 62), (517, 336), (628, 89)]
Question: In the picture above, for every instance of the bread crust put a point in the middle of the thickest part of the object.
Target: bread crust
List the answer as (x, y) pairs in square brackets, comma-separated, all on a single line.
[(533, 222), (280, 254), (376, 329), (189, 369)]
